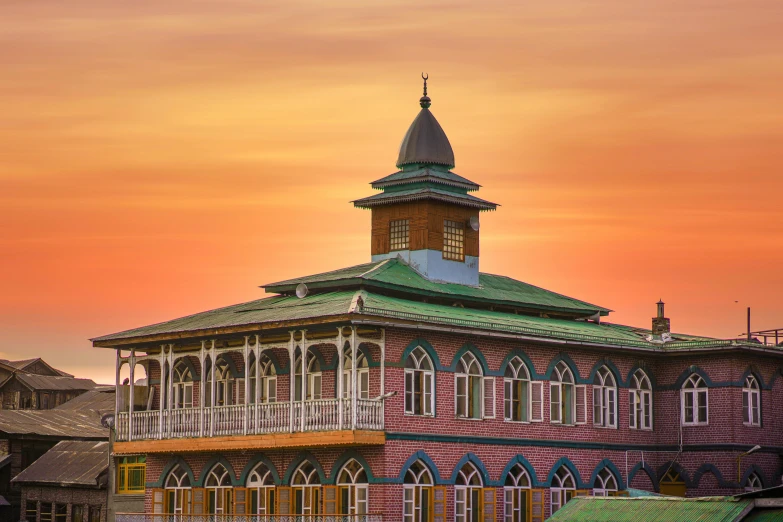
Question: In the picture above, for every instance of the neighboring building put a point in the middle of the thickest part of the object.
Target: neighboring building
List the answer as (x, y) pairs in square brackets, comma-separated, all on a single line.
[(32, 384), (417, 388), (66, 484), (26, 435)]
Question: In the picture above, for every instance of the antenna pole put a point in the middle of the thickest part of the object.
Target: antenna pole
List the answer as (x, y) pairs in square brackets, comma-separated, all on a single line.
[(749, 336)]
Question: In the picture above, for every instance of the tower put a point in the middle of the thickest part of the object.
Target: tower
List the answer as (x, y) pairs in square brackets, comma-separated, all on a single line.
[(425, 213)]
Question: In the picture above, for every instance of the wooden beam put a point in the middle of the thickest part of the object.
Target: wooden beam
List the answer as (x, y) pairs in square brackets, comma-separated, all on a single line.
[(249, 442)]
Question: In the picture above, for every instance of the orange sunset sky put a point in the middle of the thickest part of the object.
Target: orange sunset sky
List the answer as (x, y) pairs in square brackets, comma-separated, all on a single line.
[(159, 158)]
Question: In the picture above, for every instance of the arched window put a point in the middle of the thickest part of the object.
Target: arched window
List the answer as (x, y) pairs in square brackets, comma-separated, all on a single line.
[(605, 484), (516, 495), (475, 394), (225, 385), (219, 491), (362, 375), (313, 377), (751, 399), (694, 401), (563, 488), (182, 381), (261, 487), (267, 377), (417, 493), (306, 486), (419, 383), (562, 396), (640, 402), (177, 492), (753, 483), (672, 484), (352, 489), (516, 388), (468, 495), (604, 399)]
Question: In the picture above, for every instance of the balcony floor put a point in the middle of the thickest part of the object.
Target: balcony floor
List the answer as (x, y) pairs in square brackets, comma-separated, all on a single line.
[(250, 442)]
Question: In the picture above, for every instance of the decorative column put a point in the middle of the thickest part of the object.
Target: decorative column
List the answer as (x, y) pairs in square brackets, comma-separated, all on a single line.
[(353, 378), (304, 380), (202, 388), (246, 409), (257, 391), (117, 390), (383, 361), (339, 377), (291, 382), (212, 389), (132, 362), (170, 388), (161, 387)]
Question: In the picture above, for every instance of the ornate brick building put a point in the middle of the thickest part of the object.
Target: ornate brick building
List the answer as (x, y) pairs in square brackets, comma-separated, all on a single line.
[(417, 388)]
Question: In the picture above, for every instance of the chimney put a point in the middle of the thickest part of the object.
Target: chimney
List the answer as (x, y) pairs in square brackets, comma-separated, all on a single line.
[(660, 324)]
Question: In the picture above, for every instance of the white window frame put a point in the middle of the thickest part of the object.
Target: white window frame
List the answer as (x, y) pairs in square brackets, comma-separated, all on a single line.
[(640, 397), (604, 399), (694, 387), (605, 484), (751, 402), (463, 487), (313, 377), (517, 484), (178, 481), (362, 375), (182, 386), (267, 376), (562, 379), (558, 491), (516, 376), (413, 484), (469, 368), (420, 359), (261, 481), (753, 483), (358, 488)]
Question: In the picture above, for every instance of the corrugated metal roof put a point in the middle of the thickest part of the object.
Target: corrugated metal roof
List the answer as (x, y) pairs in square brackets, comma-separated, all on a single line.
[(80, 420), (765, 515), (416, 194), (651, 509), (23, 364), (100, 400), (432, 174), (72, 463), (52, 382)]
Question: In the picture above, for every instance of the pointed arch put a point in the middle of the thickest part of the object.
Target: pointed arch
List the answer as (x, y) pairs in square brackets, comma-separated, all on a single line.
[(469, 347), (427, 347), (686, 373), (750, 471), (422, 456), (174, 462), (710, 468), (516, 352), (346, 457), (674, 467), (304, 456), (211, 463), (280, 368), (565, 359), (476, 461), (522, 461), (648, 470), (618, 377), (253, 462), (194, 375), (609, 465), (232, 367), (564, 461), (647, 371)]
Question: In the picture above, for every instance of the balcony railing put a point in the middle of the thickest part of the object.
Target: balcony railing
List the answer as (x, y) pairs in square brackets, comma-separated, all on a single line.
[(148, 517), (250, 419)]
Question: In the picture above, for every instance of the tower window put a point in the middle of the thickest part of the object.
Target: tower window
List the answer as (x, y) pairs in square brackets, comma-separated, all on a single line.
[(453, 240), (399, 232)]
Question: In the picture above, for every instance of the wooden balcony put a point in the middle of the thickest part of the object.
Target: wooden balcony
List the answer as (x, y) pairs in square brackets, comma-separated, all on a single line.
[(277, 424)]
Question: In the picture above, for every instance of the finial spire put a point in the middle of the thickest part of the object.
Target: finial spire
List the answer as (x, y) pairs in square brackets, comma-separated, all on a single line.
[(424, 101)]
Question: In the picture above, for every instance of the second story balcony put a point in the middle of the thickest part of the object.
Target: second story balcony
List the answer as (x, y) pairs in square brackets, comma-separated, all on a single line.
[(245, 387)]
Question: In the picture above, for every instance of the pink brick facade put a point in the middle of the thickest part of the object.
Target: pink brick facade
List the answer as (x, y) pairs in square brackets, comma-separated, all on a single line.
[(707, 463)]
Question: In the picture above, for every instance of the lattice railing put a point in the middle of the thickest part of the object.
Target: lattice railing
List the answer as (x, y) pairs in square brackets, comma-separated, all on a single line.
[(148, 517)]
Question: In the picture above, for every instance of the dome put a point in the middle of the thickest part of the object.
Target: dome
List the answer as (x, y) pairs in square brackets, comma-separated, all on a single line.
[(425, 142)]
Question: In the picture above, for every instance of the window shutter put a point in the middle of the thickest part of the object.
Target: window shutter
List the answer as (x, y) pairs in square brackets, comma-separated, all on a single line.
[(507, 399), (554, 403), (488, 499), (187, 500), (429, 406), (272, 391), (158, 501), (439, 504), (612, 405), (461, 395), (408, 391), (283, 500), (489, 397), (240, 502), (581, 404), (536, 401), (198, 501), (632, 399), (537, 505), (330, 500), (597, 396)]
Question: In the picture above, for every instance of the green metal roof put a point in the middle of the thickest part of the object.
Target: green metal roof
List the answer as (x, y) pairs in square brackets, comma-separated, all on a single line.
[(432, 174), (651, 509), (765, 515), (394, 274), (416, 194)]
